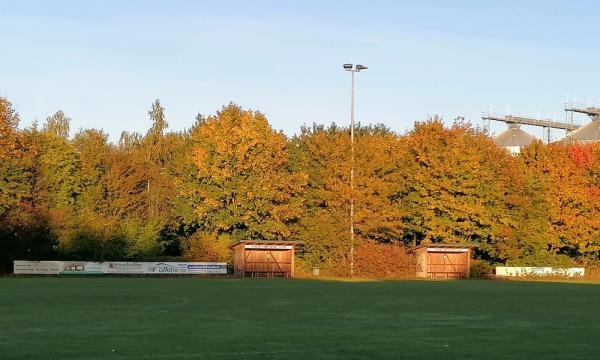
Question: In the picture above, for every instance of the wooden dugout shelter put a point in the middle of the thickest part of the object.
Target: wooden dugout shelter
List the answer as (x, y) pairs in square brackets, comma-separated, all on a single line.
[(449, 261), (262, 258)]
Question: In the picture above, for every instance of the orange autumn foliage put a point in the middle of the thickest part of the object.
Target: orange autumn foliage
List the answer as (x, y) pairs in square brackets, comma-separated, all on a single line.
[(232, 176), (383, 261)]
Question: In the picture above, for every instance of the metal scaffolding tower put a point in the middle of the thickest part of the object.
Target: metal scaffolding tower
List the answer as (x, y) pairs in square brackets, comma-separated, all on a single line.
[(590, 111), (545, 124)]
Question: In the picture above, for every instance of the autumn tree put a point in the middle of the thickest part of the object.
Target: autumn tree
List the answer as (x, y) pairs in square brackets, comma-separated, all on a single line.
[(183, 174), (14, 176), (231, 176), (159, 148), (245, 188), (93, 150), (454, 185), (58, 180), (571, 194), (523, 240), (324, 155), (24, 233)]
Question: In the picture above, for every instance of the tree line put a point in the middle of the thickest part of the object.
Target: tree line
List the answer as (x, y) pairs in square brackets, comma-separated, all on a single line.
[(231, 176)]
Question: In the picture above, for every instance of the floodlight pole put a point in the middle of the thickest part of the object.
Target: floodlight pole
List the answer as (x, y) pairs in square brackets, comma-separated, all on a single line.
[(353, 70), (352, 180)]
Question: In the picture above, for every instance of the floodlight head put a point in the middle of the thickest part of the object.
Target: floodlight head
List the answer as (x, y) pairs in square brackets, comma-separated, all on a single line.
[(348, 67), (361, 67)]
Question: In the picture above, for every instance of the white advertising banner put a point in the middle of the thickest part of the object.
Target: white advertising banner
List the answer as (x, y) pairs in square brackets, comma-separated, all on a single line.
[(186, 268), (448, 250), (37, 267), (538, 271), (118, 267), (268, 246), (82, 267), (124, 267)]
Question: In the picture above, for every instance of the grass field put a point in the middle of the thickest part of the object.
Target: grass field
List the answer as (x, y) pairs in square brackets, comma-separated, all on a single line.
[(191, 318)]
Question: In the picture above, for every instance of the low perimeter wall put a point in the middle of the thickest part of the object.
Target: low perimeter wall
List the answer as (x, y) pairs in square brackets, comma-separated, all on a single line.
[(118, 267), (538, 271)]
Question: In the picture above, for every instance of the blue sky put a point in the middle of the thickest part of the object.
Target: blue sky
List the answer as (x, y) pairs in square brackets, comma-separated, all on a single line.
[(104, 62)]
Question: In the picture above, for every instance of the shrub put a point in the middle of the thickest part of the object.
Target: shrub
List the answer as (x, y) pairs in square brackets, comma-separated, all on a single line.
[(544, 258), (87, 245), (383, 261), (481, 268), (206, 247)]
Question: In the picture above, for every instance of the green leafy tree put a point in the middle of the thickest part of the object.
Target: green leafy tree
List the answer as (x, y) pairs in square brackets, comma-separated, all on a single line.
[(93, 151), (129, 142), (58, 124), (154, 140), (58, 172)]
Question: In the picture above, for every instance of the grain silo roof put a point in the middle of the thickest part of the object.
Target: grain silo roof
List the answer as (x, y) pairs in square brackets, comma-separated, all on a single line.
[(587, 133), (514, 137)]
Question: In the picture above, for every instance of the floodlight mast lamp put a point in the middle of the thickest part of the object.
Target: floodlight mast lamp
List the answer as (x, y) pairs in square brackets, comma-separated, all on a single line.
[(353, 69)]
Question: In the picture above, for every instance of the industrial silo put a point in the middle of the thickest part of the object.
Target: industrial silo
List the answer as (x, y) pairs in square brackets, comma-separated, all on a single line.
[(513, 139), (588, 133)]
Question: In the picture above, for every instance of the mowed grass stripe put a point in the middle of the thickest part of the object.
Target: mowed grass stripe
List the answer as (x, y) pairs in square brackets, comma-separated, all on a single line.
[(190, 318)]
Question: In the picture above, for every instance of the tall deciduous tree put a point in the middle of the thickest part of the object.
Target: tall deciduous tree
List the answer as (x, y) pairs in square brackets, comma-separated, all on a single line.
[(24, 233), (58, 180), (455, 185), (245, 188), (155, 138), (58, 124), (324, 154), (14, 174), (94, 152), (571, 194), (231, 177)]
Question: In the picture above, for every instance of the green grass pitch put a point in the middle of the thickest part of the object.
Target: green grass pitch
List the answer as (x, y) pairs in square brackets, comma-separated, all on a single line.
[(193, 318)]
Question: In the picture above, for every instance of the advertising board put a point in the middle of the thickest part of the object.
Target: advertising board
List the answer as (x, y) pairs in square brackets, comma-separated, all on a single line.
[(207, 268), (186, 268), (516, 271), (268, 246), (118, 267), (81, 267), (124, 267), (447, 250), (37, 267)]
